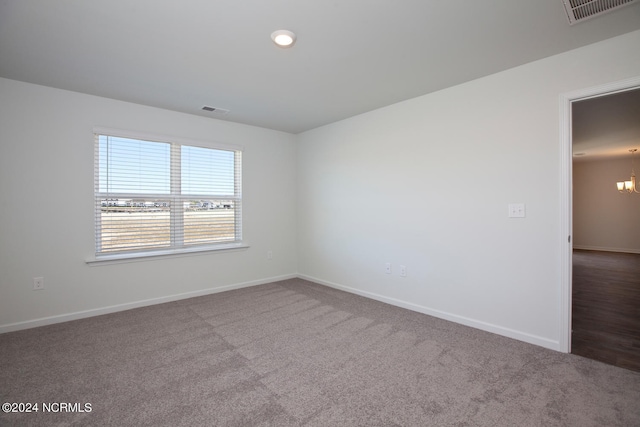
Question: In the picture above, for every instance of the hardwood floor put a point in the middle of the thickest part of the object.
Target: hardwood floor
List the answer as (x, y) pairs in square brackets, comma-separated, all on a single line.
[(606, 307)]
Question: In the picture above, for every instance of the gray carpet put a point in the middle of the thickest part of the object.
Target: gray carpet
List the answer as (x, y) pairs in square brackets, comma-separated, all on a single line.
[(294, 353)]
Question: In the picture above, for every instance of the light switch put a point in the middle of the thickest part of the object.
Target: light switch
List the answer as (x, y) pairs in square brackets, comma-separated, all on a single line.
[(516, 210)]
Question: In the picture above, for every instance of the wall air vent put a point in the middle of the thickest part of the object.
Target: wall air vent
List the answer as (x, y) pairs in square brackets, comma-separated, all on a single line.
[(216, 112), (581, 10)]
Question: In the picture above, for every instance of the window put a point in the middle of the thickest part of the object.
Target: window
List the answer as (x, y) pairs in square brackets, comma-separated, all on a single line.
[(155, 196)]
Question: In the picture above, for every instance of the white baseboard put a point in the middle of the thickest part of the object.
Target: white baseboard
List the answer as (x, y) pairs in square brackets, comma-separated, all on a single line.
[(136, 304), (521, 336), (484, 326), (605, 249)]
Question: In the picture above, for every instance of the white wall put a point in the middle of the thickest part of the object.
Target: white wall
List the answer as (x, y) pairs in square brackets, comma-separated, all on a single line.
[(46, 155), (426, 183), (604, 219)]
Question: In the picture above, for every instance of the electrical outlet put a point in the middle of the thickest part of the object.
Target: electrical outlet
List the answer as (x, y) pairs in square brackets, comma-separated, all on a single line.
[(269, 254), (403, 271), (387, 268), (517, 210), (38, 283)]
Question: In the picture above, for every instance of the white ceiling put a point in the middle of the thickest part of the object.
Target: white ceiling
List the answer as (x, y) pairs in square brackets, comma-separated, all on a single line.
[(351, 56)]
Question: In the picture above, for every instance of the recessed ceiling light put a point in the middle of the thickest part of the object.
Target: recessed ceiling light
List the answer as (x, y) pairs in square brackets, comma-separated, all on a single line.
[(283, 38)]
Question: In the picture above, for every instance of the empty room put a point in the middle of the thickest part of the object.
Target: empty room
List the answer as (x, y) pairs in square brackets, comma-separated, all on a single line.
[(314, 213)]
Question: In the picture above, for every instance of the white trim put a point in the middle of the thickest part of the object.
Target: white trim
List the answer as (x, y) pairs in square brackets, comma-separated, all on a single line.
[(566, 227), (484, 326), (607, 249), (566, 197), (176, 217), (11, 327), (119, 258), (147, 136)]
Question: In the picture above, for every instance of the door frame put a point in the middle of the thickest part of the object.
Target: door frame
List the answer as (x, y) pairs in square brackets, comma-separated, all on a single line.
[(566, 195)]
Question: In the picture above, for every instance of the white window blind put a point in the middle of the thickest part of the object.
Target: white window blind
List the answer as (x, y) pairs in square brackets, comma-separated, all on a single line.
[(155, 196)]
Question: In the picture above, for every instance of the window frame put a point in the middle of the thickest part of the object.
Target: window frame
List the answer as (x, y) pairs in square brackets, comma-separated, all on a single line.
[(176, 247)]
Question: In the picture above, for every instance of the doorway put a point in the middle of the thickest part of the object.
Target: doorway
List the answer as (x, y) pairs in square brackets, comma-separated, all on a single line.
[(597, 272)]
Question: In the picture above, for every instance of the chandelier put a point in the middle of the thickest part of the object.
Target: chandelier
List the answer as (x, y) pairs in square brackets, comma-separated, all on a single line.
[(629, 186)]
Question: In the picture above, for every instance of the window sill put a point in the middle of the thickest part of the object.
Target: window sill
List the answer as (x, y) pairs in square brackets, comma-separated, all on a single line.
[(155, 255)]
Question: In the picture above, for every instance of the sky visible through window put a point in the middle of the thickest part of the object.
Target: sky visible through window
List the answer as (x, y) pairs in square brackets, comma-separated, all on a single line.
[(130, 166), (198, 177)]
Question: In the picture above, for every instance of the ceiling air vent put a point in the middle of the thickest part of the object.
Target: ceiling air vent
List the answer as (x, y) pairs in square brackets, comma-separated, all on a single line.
[(216, 112), (580, 10)]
